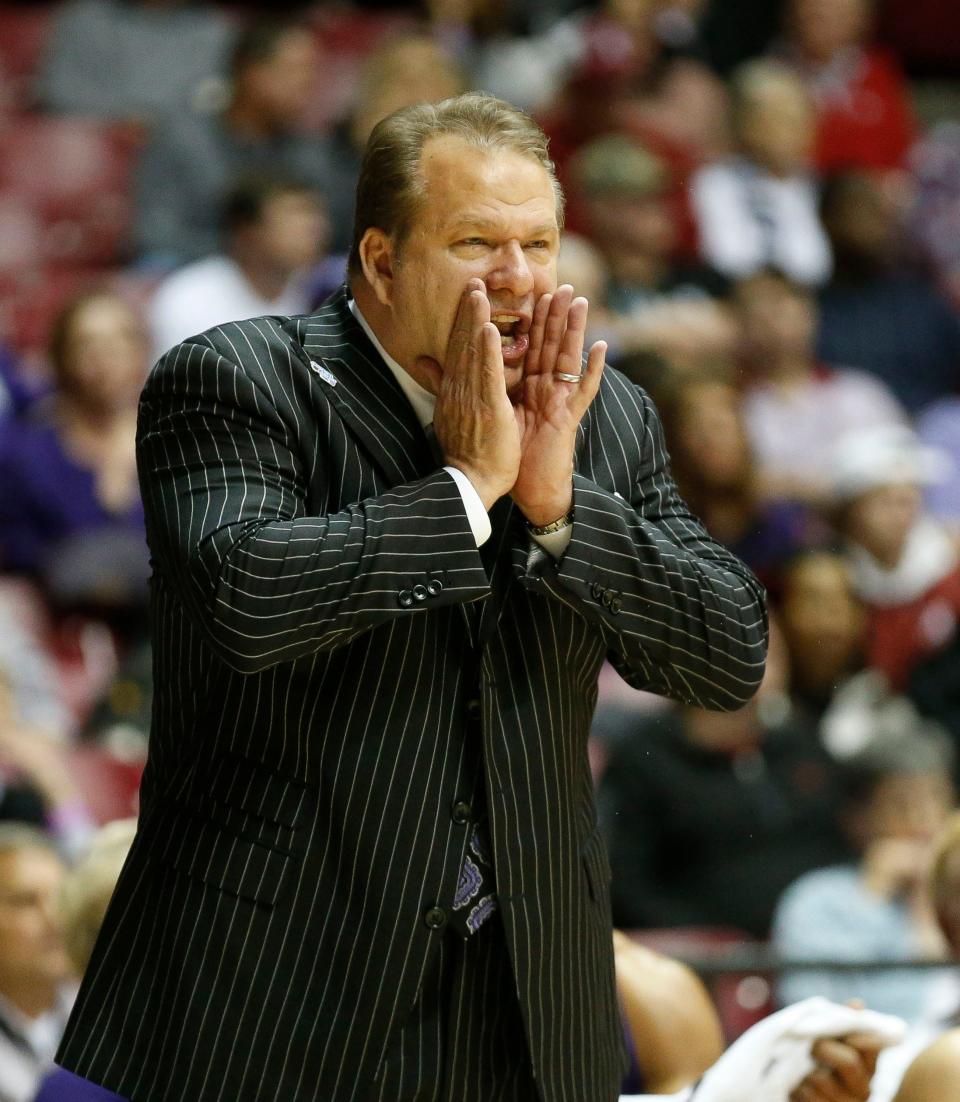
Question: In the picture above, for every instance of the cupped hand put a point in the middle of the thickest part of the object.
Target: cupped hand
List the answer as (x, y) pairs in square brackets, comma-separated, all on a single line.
[(548, 409)]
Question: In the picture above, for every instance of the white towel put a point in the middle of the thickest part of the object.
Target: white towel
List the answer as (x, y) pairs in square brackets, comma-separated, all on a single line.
[(774, 1057)]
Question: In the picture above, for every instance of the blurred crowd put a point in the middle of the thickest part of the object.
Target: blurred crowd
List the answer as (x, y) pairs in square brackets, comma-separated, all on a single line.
[(763, 209)]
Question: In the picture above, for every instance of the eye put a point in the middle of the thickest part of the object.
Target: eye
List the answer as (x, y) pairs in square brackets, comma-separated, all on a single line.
[(473, 241), (541, 243)]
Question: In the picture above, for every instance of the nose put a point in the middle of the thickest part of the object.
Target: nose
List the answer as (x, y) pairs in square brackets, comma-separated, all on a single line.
[(511, 271)]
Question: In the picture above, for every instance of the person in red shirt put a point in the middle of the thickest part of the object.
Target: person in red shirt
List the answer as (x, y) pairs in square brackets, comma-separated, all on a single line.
[(864, 117)]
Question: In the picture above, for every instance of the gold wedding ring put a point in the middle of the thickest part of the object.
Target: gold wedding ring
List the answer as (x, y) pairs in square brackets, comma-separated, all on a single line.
[(566, 377)]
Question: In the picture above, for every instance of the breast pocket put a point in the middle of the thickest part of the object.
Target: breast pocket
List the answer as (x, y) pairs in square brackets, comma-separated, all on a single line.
[(239, 829)]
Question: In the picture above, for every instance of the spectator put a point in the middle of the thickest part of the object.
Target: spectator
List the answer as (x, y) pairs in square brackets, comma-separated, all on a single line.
[(824, 625), (70, 512), (274, 230), (896, 797), (877, 314), (624, 190), (709, 816), (759, 209), (938, 427), (25, 662), (139, 59), (83, 901), (193, 158), (903, 563), (944, 886), (714, 469), (410, 68), (935, 220), (36, 785), (35, 988), (797, 407), (864, 116)]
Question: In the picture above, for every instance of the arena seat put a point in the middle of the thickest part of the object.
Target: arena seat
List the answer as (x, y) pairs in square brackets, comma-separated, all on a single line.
[(75, 176)]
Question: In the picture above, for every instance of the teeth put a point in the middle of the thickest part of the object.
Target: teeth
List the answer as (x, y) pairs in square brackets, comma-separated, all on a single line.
[(506, 340), (505, 322)]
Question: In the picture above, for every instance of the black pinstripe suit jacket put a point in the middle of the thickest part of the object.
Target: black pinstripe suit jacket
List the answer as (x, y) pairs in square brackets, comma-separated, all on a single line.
[(332, 663)]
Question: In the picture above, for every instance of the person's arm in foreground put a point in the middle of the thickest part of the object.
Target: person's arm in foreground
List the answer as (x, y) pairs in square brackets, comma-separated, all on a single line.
[(935, 1074), (814, 1051)]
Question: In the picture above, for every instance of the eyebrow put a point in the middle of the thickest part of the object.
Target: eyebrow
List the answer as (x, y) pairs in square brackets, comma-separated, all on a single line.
[(545, 229)]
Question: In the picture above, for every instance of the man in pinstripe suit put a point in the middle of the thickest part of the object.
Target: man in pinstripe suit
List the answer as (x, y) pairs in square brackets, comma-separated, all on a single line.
[(368, 866)]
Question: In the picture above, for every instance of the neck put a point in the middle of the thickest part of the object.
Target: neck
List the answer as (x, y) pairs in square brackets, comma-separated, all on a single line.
[(789, 370), (244, 119), (31, 997), (266, 279), (380, 320), (88, 417)]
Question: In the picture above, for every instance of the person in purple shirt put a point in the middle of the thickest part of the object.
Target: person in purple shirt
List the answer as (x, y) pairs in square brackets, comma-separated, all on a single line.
[(70, 512)]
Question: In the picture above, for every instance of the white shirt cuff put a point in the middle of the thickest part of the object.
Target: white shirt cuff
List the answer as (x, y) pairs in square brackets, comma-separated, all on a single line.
[(556, 542), (476, 513)]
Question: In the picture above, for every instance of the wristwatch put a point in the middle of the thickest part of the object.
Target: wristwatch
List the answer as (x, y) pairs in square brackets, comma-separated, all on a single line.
[(554, 526)]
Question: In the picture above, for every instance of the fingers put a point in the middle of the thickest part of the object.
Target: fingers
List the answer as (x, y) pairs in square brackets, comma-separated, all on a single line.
[(547, 332), (585, 391), (492, 386), (537, 325), (869, 1046), (473, 312), (570, 352), (846, 1064)]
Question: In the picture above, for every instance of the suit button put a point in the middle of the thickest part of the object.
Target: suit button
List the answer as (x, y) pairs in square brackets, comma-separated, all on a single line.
[(435, 918), (419, 592), (615, 605), (404, 598), (460, 813), (596, 591), (434, 587), (607, 598), (474, 707)]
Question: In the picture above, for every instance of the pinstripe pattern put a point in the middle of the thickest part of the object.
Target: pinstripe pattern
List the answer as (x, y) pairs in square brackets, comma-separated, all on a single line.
[(469, 999), (267, 938)]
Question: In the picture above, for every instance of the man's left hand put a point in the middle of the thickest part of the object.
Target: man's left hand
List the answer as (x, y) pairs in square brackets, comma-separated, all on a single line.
[(549, 409)]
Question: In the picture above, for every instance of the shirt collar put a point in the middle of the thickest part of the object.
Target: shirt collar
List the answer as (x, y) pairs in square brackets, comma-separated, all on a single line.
[(420, 399)]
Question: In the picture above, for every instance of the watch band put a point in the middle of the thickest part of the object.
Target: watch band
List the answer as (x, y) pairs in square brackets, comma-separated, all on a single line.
[(554, 526)]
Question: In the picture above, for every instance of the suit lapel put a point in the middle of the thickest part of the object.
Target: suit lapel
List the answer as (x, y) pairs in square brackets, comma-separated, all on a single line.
[(364, 391)]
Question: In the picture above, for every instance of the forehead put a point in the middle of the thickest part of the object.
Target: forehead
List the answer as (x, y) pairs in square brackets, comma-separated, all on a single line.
[(465, 184)]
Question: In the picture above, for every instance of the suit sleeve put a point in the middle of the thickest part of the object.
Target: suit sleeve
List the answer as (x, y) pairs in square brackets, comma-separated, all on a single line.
[(224, 488), (681, 616)]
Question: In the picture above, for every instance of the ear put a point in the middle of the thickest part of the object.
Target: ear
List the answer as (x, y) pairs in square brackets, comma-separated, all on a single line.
[(376, 259)]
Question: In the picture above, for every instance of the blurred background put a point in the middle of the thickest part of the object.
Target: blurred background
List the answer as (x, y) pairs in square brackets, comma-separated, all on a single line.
[(764, 212)]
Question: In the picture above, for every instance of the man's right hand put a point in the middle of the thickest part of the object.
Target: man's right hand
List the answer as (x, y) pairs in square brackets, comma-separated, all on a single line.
[(474, 421)]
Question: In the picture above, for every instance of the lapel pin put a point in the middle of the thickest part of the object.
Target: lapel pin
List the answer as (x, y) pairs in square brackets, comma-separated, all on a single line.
[(324, 373)]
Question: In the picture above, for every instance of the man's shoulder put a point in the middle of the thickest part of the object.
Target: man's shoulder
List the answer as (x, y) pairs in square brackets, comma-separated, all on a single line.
[(618, 397), (252, 346), (267, 342)]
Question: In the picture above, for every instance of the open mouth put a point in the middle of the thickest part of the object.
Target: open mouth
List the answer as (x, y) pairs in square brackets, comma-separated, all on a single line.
[(514, 338)]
